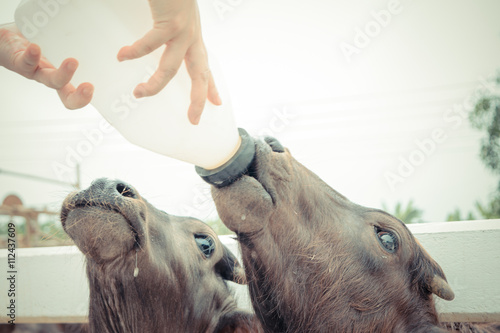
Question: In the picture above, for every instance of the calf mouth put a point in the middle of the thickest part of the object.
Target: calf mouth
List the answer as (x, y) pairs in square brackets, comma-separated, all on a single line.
[(259, 168), (131, 212)]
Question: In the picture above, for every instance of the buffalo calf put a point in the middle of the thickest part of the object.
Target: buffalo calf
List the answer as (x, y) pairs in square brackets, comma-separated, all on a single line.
[(150, 271), (317, 262)]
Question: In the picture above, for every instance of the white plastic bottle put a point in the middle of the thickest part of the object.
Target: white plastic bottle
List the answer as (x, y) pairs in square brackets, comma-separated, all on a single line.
[(93, 31)]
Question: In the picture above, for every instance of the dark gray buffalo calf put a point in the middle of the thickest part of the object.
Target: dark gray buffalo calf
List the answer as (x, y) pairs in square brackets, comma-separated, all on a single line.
[(150, 271), (316, 262)]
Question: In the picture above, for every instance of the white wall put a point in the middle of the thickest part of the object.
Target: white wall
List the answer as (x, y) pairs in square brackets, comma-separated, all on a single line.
[(52, 285), (469, 253)]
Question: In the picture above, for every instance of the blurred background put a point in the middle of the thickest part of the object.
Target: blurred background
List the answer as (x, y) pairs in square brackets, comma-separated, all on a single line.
[(393, 103)]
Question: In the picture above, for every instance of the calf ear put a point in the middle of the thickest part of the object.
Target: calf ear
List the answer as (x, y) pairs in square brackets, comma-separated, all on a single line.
[(441, 288), (434, 277), (229, 268), (238, 322)]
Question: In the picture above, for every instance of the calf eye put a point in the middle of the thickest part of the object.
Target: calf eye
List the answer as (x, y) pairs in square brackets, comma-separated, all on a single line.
[(206, 244), (388, 240)]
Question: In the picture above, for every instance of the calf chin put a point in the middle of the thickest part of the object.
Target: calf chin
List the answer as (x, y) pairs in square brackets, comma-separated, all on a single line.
[(255, 200)]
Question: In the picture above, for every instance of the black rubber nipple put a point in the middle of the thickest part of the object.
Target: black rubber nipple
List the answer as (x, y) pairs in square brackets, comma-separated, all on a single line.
[(233, 169)]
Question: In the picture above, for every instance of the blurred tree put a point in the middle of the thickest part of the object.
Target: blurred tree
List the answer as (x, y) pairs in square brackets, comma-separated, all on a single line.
[(491, 210), (52, 230), (456, 215), (410, 214), (485, 212), (486, 116)]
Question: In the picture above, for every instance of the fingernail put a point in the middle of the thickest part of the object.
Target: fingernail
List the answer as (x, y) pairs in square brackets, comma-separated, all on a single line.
[(122, 57), (138, 93), (34, 52), (218, 100), (196, 120), (87, 91), (72, 66)]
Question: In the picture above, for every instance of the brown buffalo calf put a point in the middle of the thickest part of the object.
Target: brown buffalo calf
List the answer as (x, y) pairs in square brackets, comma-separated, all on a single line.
[(316, 262), (150, 271)]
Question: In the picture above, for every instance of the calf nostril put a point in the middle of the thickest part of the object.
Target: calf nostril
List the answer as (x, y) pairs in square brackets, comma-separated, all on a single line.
[(126, 191)]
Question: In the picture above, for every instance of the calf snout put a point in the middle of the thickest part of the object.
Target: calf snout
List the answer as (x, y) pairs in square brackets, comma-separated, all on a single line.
[(112, 188), (106, 191), (114, 195), (106, 219)]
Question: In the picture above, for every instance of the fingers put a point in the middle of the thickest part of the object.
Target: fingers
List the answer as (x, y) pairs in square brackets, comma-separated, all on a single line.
[(64, 74), (26, 59), (202, 82), (152, 40), (199, 90), (29, 59), (56, 78), (213, 93), (76, 98), (170, 62), (25, 62), (59, 79)]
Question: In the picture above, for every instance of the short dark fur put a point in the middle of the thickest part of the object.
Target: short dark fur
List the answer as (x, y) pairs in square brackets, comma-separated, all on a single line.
[(312, 257), (177, 288)]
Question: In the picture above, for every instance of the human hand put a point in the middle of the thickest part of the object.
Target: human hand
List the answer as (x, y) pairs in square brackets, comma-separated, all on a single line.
[(177, 25), (19, 55)]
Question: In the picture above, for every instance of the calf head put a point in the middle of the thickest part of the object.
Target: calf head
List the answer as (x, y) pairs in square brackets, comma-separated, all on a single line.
[(150, 271), (317, 262)]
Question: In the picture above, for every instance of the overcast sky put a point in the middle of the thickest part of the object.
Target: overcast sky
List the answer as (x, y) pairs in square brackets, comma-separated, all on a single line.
[(380, 117)]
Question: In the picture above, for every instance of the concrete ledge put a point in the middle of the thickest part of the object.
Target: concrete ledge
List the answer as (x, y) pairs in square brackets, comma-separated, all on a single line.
[(469, 253), (51, 283)]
